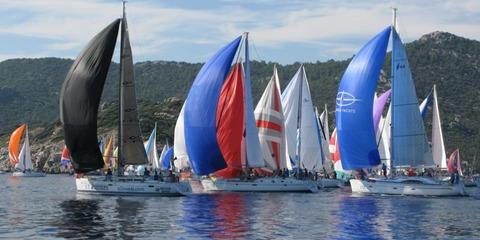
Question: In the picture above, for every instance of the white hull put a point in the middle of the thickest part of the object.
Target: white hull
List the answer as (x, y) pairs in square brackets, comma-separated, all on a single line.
[(29, 174), (329, 183), (414, 187), (131, 186), (267, 184)]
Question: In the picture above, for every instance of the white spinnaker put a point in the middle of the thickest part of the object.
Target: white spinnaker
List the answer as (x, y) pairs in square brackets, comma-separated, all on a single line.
[(179, 147)]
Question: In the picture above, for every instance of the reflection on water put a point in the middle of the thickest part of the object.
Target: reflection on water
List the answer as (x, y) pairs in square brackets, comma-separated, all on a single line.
[(80, 219), (219, 216), (129, 221), (49, 207), (357, 216)]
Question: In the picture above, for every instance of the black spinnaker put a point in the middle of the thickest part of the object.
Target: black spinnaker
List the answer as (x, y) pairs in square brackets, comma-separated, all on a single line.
[(80, 98)]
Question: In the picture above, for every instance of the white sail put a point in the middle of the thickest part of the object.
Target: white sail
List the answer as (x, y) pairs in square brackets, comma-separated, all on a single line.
[(25, 157), (271, 126), (290, 103), (325, 138), (179, 147), (162, 155), (310, 147), (21, 159), (151, 149), (438, 146), (383, 138)]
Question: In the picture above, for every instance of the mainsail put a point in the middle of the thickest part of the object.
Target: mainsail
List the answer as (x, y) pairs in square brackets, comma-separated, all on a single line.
[(310, 146), (302, 134), (438, 147), (409, 146), (271, 127), (25, 156), (80, 98), (132, 150), (354, 112), (291, 106)]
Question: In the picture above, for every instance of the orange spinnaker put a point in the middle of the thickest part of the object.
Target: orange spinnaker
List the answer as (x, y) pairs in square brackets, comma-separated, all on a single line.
[(108, 152), (14, 144)]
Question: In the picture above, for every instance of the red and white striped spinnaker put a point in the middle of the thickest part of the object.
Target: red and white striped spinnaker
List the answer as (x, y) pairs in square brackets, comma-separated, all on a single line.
[(271, 125)]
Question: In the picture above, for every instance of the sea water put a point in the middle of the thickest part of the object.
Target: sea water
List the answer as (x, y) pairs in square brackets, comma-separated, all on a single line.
[(50, 208)]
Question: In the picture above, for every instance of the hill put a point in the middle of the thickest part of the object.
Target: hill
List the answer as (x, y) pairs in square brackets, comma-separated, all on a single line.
[(29, 88)]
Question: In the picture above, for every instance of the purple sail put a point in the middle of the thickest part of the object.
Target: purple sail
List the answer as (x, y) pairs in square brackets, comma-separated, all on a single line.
[(378, 106)]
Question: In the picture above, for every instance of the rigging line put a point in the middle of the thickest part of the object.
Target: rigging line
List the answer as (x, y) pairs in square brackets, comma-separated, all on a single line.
[(255, 49)]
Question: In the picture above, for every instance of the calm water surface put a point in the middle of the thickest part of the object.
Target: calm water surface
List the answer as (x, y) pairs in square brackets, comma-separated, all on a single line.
[(48, 208)]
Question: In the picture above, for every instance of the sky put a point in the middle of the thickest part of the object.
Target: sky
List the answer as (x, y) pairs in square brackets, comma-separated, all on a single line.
[(192, 30)]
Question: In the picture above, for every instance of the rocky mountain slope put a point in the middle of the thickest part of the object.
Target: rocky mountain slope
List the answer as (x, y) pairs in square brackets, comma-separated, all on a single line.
[(29, 91)]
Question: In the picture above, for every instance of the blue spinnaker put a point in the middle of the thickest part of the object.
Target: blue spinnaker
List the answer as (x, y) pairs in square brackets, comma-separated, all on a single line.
[(354, 110), (166, 159), (424, 105), (200, 112)]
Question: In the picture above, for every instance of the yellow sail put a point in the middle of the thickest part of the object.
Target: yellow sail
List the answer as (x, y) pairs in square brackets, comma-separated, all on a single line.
[(14, 144), (107, 156)]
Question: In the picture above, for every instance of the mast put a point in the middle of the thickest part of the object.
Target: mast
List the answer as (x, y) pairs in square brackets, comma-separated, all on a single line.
[(120, 96), (394, 31), (299, 121), (25, 142), (247, 78)]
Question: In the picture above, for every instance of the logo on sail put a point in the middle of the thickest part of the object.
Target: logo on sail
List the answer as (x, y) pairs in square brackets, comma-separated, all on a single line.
[(345, 99)]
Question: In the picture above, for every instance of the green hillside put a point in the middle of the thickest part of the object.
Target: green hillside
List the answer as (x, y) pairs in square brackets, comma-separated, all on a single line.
[(29, 88)]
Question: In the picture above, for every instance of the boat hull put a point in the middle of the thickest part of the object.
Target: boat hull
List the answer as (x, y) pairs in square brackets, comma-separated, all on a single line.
[(405, 188), (329, 183), (260, 185), (29, 174), (131, 186)]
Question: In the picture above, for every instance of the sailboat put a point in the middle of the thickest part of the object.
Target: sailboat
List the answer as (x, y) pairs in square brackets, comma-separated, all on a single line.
[(21, 158), (324, 134), (151, 150), (356, 133), (79, 101), (216, 134), (271, 134)]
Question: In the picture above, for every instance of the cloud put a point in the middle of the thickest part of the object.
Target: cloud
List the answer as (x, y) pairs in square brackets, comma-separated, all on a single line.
[(190, 30)]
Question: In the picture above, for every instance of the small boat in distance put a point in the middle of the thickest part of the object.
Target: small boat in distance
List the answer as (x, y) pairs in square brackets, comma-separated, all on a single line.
[(21, 159), (79, 102)]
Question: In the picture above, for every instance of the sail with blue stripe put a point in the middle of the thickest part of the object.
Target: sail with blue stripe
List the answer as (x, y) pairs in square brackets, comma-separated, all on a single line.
[(201, 109), (167, 157), (409, 145), (424, 105), (354, 110)]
